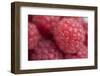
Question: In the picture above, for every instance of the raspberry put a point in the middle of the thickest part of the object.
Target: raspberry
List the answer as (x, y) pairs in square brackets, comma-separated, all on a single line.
[(45, 24), (46, 50), (33, 36), (82, 53), (57, 37), (85, 27), (68, 35)]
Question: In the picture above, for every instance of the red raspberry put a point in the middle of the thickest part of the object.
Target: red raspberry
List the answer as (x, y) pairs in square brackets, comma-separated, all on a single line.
[(45, 24), (68, 35), (33, 36), (46, 50), (83, 22), (82, 53)]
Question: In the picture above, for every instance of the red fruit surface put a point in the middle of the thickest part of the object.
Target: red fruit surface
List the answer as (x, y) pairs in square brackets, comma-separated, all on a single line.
[(68, 35), (33, 36), (45, 24), (85, 27), (57, 37), (82, 53), (46, 50)]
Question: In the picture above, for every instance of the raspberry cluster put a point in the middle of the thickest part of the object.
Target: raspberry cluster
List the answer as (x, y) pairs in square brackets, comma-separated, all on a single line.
[(57, 37)]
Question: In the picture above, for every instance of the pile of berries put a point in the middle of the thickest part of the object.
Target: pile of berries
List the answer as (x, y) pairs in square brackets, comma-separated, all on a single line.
[(57, 37)]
